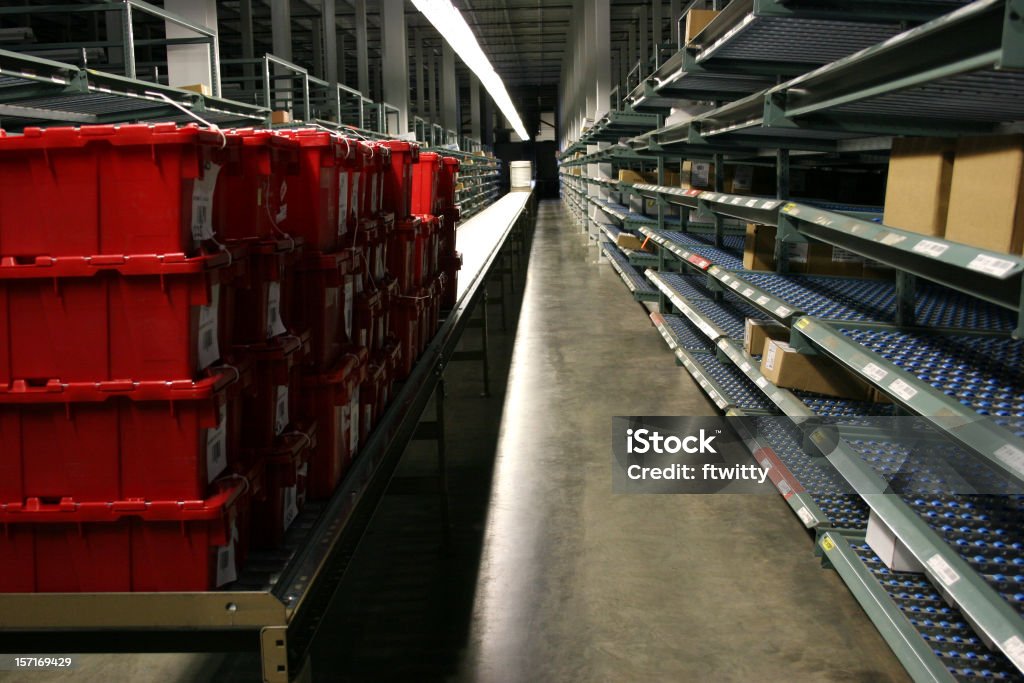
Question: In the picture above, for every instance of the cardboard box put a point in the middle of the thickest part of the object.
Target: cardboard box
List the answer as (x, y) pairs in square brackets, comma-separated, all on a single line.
[(627, 241), (917, 191), (757, 332), (890, 550), (785, 367), (759, 247), (632, 177), (200, 88), (986, 201), (697, 175), (696, 20), (807, 258), (280, 116)]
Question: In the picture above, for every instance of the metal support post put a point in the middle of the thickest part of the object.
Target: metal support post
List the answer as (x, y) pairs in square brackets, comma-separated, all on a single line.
[(906, 298), (362, 53), (128, 41), (719, 162)]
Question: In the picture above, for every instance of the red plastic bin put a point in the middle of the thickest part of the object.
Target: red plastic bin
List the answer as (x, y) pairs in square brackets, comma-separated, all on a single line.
[(115, 317), (324, 303), (122, 546), (448, 179), (398, 178), (263, 304), (273, 404), (310, 200), (426, 174), (127, 189), (405, 324), (251, 196), (450, 266), (285, 489), (332, 399), (117, 440), (402, 252), (449, 226)]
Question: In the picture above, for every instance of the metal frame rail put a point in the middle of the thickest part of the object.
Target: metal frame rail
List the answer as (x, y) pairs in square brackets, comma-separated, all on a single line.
[(280, 620)]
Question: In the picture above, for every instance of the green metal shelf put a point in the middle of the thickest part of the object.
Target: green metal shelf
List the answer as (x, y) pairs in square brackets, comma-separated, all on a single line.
[(784, 399), (633, 280), (994, 443)]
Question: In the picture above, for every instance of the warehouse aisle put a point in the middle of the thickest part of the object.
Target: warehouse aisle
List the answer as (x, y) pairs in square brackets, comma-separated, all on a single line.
[(578, 584)]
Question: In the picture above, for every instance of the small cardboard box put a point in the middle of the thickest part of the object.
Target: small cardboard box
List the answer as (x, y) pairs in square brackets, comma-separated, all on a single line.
[(759, 247), (986, 201), (632, 177), (917, 191), (806, 258), (200, 88), (786, 367), (696, 20), (280, 116), (890, 550), (627, 241), (697, 175), (756, 332)]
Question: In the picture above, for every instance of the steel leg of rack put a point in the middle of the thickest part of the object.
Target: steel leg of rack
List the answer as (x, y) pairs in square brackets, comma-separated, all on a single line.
[(480, 354), (274, 654)]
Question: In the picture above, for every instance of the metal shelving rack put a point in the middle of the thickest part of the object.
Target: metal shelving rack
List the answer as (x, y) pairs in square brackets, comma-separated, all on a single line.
[(858, 76)]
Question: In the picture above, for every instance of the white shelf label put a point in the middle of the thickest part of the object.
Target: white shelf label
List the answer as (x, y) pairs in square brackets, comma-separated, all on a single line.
[(805, 516), (766, 463), (763, 300), (748, 292), (784, 487), (1014, 649), (874, 372), (891, 238), (762, 382), (735, 284), (752, 203), (990, 265), (1012, 456), (930, 248), (783, 311), (903, 390), (776, 398), (745, 367), (946, 574)]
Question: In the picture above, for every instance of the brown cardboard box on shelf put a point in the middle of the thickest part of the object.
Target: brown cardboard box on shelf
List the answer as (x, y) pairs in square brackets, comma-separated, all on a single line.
[(627, 241), (785, 367), (806, 258), (697, 175), (696, 20), (917, 191), (759, 247), (986, 201), (280, 116), (634, 177), (756, 332), (200, 88)]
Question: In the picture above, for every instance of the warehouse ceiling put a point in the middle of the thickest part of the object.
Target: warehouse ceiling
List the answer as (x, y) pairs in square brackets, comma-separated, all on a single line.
[(524, 39)]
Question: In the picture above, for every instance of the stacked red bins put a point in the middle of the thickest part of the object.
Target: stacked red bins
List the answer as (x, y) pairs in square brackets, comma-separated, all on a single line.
[(332, 400), (398, 178), (425, 178), (119, 457)]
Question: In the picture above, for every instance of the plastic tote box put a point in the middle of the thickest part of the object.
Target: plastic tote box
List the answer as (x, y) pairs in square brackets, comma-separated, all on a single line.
[(128, 189), (272, 407), (401, 253), (447, 180), (264, 299), (398, 177), (426, 175), (70, 546), (285, 487), (79, 319), (324, 303)]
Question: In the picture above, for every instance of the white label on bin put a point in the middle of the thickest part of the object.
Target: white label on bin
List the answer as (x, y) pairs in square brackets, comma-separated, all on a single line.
[(342, 203), (930, 248), (990, 265), (874, 372), (275, 326), (380, 262), (209, 346), (946, 574), (216, 446), (226, 569), (805, 516), (202, 203), (349, 304), (281, 410), (353, 410), (355, 195), (1014, 649), (903, 390), (291, 506)]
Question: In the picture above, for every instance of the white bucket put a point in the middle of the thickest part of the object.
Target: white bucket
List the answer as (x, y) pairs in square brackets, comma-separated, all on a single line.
[(520, 173)]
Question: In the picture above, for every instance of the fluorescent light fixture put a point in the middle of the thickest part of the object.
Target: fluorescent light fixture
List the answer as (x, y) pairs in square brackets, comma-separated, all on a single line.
[(449, 23)]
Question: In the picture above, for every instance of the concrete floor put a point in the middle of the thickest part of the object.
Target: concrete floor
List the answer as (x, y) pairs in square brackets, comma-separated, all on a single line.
[(544, 575)]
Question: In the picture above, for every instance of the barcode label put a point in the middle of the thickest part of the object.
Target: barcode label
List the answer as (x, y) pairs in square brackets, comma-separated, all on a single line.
[(769, 356), (342, 203), (784, 487), (748, 292), (354, 415), (349, 299), (202, 203), (903, 390), (355, 195), (1014, 649), (805, 516), (216, 446), (946, 574), (983, 263), (282, 203), (762, 382), (209, 318), (275, 326), (930, 248), (227, 571), (291, 506), (763, 300), (891, 238), (745, 367), (281, 418), (874, 372), (735, 284), (783, 311), (1012, 456)]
